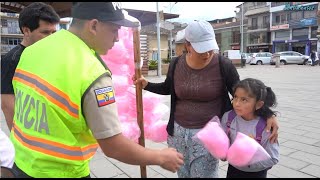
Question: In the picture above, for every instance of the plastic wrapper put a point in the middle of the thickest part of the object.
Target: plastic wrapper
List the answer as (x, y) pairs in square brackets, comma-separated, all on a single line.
[(214, 139), (245, 151)]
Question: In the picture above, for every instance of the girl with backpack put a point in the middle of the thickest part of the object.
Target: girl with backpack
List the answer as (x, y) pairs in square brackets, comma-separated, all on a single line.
[(251, 103)]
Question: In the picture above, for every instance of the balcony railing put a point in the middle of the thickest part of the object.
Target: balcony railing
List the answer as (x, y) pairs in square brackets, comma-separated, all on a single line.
[(6, 48), (10, 30), (279, 23), (256, 7), (263, 26), (258, 41), (275, 4)]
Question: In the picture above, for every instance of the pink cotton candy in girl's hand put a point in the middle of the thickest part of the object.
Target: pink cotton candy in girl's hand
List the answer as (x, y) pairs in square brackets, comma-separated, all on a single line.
[(214, 139), (245, 151)]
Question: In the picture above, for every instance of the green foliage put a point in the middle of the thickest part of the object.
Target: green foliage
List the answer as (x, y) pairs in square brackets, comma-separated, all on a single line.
[(166, 60), (153, 64)]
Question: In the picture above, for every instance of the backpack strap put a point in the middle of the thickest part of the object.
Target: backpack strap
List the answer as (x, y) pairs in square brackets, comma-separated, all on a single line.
[(232, 114), (259, 129), (262, 123)]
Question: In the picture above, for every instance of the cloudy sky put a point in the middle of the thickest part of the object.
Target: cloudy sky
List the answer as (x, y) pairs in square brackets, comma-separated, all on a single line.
[(189, 11)]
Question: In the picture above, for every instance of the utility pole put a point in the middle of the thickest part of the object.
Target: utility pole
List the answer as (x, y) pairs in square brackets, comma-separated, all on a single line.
[(170, 37), (158, 38), (171, 32), (318, 31), (241, 47)]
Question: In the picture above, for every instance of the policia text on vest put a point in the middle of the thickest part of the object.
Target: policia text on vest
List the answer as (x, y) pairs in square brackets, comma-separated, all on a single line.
[(38, 120)]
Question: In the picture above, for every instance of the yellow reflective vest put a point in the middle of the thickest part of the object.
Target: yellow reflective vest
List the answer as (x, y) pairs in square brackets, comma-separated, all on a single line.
[(50, 134)]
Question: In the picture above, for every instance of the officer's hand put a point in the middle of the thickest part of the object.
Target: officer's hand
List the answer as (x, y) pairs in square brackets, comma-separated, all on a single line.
[(171, 160), (140, 80)]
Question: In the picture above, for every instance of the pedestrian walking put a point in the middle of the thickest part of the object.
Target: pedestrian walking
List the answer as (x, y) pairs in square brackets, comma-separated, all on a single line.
[(313, 57)]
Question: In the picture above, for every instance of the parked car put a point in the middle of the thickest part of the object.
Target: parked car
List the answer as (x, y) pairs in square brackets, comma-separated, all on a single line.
[(260, 58), (290, 57)]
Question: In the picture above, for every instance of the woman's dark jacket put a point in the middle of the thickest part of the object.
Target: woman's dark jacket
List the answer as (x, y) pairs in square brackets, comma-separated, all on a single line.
[(229, 75)]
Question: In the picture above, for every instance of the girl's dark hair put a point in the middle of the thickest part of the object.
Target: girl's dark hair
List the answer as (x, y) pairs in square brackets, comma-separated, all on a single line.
[(31, 15), (261, 92)]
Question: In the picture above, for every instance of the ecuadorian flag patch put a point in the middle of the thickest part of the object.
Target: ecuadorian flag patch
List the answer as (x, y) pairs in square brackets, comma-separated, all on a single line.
[(105, 96)]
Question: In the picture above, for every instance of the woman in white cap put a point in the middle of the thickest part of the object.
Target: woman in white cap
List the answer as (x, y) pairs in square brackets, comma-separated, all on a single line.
[(198, 82)]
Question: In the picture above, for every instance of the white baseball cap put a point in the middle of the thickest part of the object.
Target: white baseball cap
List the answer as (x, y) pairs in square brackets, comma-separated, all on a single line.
[(201, 36)]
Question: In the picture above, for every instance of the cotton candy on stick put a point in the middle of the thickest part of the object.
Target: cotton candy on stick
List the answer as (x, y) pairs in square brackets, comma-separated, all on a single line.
[(214, 139), (245, 151), (119, 60)]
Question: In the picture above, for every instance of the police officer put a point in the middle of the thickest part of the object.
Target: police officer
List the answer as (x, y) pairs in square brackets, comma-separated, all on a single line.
[(61, 113)]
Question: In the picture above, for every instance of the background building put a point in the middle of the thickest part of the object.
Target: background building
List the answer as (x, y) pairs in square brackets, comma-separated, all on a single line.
[(259, 36), (151, 33), (10, 31), (294, 26)]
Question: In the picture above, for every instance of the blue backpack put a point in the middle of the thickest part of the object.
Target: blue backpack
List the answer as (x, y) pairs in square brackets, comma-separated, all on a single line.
[(259, 128)]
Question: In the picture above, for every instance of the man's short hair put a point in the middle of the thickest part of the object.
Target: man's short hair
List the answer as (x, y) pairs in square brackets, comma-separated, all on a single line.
[(31, 15)]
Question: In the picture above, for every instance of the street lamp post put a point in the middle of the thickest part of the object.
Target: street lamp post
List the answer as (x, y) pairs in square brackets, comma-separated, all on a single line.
[(241, 48), (158, 38), (170, 37)]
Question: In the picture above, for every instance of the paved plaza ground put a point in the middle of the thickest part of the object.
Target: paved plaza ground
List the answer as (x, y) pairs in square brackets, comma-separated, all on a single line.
[(298, 92)]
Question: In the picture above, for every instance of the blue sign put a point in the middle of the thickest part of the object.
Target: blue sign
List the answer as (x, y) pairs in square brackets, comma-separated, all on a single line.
[(308, 22), (303, 22)]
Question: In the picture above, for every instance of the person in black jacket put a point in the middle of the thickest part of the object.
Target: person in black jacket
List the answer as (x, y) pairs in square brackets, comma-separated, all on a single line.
[(199, 83)]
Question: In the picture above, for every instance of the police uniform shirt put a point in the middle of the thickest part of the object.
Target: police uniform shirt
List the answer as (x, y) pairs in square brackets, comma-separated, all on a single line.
[(100, 109)]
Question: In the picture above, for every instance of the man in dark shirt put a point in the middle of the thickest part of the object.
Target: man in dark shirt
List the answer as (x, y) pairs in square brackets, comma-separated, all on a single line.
[(36, 21)]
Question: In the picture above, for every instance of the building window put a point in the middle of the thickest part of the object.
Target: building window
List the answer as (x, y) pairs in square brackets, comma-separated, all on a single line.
[(281, 47), (4, 22), (314, 32), (282, 35), (265, 22), (281, 18), (309, 14), (7, 43), (10, 41), (300, 34), (297, 15), (218, 38), (254, 23), (258, 38), (235, 37), (277, 19)]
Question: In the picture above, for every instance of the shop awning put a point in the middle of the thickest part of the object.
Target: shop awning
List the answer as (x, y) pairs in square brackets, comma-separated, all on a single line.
[(64, 10)]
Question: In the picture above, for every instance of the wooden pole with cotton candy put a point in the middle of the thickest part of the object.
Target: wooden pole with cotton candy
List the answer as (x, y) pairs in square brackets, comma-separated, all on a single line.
[(137, 61)]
